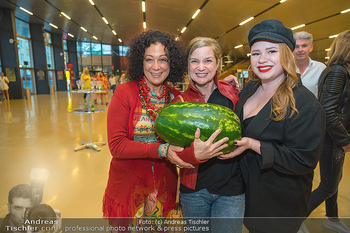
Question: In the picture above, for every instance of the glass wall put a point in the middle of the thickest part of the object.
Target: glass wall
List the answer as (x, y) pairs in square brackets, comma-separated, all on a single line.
[(95, 57), (50, 61), (25, 55)]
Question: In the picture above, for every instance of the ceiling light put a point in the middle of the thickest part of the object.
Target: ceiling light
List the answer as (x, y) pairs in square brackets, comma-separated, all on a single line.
[(25, 10), (184, 29), (246, 21), (300, 26), (53, 25), (333, 36), (94, 37), (177, 38), (114, 32), (144, 25), (248, 54), (327, 58), (120, 40), (345, 11), (195, 14), (64, 14), (282, 1), (92, 3), (143, 6), (104, 19), (70, 35), (327, 49), (82, 28), (238, 46)]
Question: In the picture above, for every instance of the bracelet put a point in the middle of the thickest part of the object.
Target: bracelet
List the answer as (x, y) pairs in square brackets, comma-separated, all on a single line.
[(163, 150)]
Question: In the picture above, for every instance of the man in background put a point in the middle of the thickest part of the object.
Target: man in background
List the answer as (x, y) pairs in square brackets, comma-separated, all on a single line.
[(309, 69), (19, 201)]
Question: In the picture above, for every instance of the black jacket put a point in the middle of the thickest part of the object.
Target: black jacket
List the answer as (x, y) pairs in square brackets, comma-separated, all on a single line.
[(333, 94), (279, 181)]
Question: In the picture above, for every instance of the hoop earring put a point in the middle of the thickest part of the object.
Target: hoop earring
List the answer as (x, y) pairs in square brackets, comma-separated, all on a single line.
[(248, 71)]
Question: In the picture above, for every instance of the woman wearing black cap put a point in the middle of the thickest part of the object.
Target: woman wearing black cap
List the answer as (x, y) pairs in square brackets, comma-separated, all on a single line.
[(283, 127)]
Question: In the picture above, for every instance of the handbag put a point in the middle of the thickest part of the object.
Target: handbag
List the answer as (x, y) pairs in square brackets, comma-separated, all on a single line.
[(175, 222)]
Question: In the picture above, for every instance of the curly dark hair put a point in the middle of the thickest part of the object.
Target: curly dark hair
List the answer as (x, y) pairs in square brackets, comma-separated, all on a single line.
[(174, 49)]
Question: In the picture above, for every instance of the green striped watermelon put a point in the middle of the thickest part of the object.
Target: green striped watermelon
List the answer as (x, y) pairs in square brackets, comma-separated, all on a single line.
[(176, 123)]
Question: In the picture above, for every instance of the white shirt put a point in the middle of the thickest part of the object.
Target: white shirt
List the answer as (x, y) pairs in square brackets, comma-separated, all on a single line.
[(311, 75)]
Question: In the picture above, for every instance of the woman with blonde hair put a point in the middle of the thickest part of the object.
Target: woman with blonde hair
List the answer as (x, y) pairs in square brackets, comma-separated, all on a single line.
[(334, 95), (283, 127), (85, 77), (212, 188)]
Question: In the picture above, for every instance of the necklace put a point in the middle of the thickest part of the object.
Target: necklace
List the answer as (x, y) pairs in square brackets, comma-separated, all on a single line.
[(151, 110)]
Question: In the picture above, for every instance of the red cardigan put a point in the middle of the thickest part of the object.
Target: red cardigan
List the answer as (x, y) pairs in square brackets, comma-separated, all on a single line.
[(192, 94), (130, 174)]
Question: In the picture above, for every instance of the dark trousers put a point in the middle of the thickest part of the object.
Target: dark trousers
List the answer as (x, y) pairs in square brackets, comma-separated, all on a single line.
[(331, 170)]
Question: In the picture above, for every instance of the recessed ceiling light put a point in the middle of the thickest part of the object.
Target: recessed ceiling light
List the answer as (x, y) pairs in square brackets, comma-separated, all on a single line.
[(82, 28), (104, 19), (114, 32), (246, 21), (143, 6), (300, 26), (92, 3), (195, 14), (65, 15), (25, 10), (53, 25)]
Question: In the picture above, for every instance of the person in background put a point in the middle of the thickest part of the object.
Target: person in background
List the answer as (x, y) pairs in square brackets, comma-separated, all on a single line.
[(214, 188), (142, 182), (123, 78), (4, 86), (283, 127), (309, 69), (96, 96), (113, 81), (334, 95), (85, 77), (19, 201), (105, 87)]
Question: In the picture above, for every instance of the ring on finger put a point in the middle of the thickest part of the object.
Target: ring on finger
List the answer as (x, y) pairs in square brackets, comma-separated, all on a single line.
[(196, 137), (178, 165)]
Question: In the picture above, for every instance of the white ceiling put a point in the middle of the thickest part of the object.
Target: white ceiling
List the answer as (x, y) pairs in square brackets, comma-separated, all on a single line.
[(217, 18)]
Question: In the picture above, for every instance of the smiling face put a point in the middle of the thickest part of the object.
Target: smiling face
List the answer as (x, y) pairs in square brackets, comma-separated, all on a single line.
[(156, 66), (266, 61), (303, 48), (203, 65)]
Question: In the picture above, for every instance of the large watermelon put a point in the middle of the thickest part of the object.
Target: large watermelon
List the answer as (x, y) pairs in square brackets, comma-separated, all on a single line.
[(177, 123)]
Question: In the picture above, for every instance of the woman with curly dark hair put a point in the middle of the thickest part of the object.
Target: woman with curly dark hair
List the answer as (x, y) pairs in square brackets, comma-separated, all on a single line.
[(141, 181)]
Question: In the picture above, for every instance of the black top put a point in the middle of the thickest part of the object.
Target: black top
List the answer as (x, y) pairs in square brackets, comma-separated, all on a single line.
[(279, 179), (221, 177)]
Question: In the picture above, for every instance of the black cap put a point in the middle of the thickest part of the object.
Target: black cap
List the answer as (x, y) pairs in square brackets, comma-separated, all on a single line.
[(272, 30)]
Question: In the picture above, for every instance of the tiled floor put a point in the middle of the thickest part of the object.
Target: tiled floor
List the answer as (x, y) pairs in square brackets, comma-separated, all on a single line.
[(42, 133)]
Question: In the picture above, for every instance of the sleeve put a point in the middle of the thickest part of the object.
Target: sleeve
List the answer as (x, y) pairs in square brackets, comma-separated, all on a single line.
[(330, 99), (119, 123), (298, 152)]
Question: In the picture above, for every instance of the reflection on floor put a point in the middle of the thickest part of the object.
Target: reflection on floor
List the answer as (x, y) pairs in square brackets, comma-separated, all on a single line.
[(42, 133)]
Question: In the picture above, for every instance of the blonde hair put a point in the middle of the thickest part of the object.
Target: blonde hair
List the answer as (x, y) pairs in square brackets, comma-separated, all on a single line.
[(200, 42), (284, 97), (339, 52)]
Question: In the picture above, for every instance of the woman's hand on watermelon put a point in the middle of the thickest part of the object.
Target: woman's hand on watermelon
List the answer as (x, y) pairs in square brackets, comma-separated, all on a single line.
[(174, 159), (242, 145), (208, 149)]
